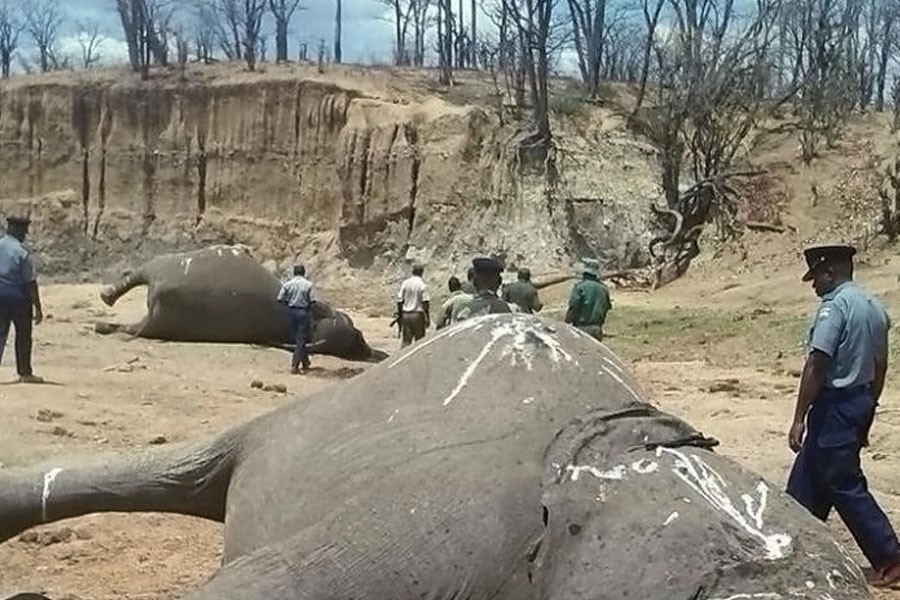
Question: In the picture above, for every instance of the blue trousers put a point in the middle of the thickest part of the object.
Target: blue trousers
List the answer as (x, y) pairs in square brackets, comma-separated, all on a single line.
[(19, 313), (300, 322), (827, 473)]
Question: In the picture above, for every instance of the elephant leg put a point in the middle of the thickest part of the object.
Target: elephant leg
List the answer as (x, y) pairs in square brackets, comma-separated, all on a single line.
[(191, 480), (112, 293)]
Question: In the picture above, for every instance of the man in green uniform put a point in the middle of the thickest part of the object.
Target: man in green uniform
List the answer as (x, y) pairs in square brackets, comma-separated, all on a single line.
[(486, 281), (589, 302), (523, 294), (457, 298)]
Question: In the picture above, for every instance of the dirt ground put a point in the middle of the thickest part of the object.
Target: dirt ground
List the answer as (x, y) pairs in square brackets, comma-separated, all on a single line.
[(112, 393)]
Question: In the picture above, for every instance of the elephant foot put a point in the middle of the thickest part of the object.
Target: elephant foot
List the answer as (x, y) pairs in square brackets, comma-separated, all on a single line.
[(376, 356), (28, 596)]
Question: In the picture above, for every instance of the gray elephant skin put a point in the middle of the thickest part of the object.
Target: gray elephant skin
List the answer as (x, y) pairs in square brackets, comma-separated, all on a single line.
[(506, 457), (222, 294)]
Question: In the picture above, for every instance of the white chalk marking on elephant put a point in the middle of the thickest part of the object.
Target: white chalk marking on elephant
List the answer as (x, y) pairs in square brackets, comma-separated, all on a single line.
[(520, 349), (670, 519), (748, 504), (830, 577), (810, 585), (471, 368), (393, 415), (448, 332), (612, 363), (528, 400), (621, 382), (616, 473), (644, 466), (706, 482), (520, 330), (49, 478), (187, 264)]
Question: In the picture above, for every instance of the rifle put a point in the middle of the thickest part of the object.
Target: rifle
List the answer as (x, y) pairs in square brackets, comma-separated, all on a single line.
[(396, 322)]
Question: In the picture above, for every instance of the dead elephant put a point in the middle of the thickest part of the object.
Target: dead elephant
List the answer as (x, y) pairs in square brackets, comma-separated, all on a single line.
[(221, 294), (506, 457)]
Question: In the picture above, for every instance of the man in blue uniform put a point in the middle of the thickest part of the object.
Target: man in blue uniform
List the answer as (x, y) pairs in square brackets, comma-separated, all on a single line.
[(299, 294), (20, 301), (841, 383)]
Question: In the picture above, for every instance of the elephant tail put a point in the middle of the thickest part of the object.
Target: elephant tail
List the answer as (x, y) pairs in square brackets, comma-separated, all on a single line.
[(112, 293), (191, 479)]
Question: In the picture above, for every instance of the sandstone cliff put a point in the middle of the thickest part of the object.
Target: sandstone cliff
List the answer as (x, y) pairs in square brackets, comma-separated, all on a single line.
[(351, 170)]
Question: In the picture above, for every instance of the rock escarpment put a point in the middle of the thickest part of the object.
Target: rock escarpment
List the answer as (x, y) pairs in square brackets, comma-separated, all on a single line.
[(291, 164)]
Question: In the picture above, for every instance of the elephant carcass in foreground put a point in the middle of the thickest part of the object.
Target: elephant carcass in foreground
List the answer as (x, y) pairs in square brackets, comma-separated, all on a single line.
[(506, 457), (221, 294)]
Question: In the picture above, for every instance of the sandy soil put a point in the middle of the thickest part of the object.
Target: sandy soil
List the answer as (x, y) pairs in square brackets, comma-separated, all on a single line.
[(113, 393)]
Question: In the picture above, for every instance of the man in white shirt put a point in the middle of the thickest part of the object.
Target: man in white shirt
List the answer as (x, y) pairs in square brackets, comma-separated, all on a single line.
[(413, 307)]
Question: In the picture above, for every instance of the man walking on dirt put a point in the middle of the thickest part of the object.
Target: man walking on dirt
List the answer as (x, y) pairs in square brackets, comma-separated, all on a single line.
[(457, 298), (299, 295), (523, 294), (20, 300), (486, 280), (413, 306), (839, 390), (589, 301)]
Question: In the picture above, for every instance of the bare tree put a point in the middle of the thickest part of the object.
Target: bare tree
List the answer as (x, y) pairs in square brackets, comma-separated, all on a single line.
[(43, 20), (251, 20), (238, 27), (538, 36), (337, 31), (89, 40), (589, 26), (10, 29), (651, 20), (712, 69), (145, 24), (205, 34), (283, 11)]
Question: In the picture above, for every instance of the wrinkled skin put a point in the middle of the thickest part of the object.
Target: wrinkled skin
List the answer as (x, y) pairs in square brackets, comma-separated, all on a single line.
[(221, 294), (507, 457)]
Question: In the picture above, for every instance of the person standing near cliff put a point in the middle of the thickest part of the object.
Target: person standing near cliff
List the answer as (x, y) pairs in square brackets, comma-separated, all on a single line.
[(20, 299), (589, 301), (523, 294), (299, 295), (413, 303), (457, 298), (484, 301)]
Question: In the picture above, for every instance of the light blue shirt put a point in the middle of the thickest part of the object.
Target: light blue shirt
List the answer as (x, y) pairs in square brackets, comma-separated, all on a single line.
[(297, 292), (16, 268), (851, 326)]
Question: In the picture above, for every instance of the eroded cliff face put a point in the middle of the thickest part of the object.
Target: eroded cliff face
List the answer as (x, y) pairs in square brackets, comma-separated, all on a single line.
[(294, 166)]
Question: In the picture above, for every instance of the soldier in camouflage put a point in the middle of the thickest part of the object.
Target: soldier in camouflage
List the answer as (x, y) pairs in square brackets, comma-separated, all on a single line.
[(486, 281)]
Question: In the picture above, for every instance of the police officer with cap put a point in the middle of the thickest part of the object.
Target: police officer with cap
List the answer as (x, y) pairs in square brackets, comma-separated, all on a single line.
[(20, 300), (486, 281), (841, 383)]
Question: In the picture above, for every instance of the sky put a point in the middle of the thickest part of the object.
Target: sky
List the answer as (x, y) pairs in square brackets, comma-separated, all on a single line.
[(367, 31)]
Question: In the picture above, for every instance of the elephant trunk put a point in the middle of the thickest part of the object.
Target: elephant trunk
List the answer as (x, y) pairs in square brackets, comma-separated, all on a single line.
[(112, 293), (190, 480)]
